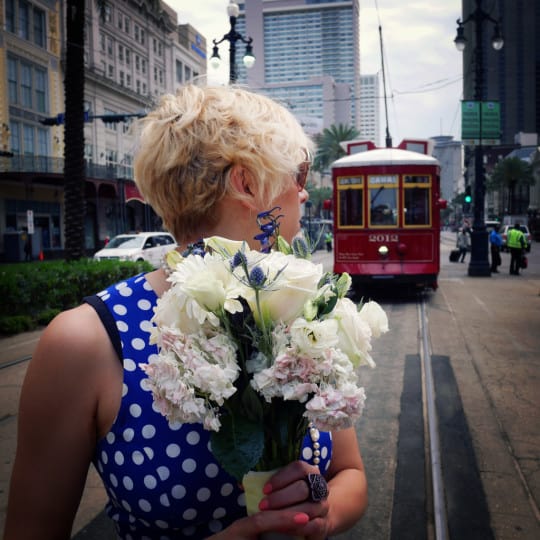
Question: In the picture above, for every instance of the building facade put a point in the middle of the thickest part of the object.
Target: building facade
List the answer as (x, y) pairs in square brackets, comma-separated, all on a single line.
[(308, 57), (510, 76), (133, 53), (370, 110)]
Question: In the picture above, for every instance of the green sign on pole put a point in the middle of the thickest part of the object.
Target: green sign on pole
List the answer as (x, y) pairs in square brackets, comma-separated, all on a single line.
[(484, 115)]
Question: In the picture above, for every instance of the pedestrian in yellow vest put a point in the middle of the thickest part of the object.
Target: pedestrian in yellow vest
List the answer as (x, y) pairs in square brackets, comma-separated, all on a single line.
[(515, 243)]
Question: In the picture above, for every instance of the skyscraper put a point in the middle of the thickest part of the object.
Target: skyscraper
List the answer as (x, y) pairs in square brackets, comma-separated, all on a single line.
[(511, 75), (369, 104), (307, 57)]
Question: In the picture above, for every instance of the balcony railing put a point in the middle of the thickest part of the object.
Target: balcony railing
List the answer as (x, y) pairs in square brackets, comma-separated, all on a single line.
[(18, 164)]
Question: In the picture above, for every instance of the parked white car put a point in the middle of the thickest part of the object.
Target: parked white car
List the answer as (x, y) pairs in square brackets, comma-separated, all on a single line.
[(143, 246)]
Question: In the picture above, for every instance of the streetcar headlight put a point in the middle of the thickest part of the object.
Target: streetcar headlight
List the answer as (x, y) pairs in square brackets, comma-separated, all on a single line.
[(383, 251)]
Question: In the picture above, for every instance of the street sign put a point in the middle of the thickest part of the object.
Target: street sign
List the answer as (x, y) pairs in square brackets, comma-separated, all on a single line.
[(481, 115), (30, 221)]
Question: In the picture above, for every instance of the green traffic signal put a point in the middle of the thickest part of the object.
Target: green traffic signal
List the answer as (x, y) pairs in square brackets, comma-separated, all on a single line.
[(468, 196)]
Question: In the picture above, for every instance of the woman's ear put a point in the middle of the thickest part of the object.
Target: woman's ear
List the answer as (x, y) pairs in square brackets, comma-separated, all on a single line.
[(241, 182)]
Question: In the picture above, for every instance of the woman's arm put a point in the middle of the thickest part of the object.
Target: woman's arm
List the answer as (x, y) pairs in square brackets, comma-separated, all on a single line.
[(57, 426)]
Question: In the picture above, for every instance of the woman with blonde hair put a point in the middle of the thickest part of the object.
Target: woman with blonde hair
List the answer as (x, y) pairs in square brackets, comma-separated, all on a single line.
[(209, 160)]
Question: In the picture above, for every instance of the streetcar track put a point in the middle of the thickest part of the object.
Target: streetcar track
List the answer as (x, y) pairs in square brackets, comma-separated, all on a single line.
[(437, 485), (15, 362)]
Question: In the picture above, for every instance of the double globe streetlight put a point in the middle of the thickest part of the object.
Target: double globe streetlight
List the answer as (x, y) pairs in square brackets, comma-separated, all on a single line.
[(232, 37), (479, 263)]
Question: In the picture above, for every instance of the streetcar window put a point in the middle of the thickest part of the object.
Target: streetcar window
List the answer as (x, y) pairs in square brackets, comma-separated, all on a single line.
[(383, 199), (417, 196), (350, 195)]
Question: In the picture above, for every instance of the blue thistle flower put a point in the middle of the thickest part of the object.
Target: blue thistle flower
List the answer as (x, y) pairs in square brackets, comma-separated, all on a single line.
[(257, 277), (239, 259)]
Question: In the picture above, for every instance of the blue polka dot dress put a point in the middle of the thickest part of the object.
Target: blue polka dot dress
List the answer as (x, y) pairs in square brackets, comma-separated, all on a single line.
[(162, 480)]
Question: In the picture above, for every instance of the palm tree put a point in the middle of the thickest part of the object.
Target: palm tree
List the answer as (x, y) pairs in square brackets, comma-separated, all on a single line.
[(74, 173), (511, 173), (328, 147)]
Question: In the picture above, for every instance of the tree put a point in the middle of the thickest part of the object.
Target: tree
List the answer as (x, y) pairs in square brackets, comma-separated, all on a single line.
[(509, 174), (74, 173), (328, 147)]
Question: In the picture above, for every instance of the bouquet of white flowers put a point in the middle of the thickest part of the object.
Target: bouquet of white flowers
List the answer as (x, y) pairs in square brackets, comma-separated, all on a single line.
[(256, 345)]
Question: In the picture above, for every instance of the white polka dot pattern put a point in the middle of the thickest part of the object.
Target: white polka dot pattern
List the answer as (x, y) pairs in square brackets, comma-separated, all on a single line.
[(163, 481)]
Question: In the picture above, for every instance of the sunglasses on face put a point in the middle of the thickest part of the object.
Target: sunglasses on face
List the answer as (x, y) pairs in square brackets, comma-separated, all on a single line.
[(302, 173)]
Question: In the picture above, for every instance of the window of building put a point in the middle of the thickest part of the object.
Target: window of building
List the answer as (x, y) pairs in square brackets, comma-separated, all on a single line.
[(179, 72), (110, 125), (15, 137), (137, 63), (127, 24), (111, 71), (39, 27), (128, 80), (350, 201), (128, 57), (24, 20), (122, 81), (28, 140), (10, 15), (12, 81), (26, 85), (110, 46), (40, 77), (121, 53), (42, 141), (108, 13), (187, 73)]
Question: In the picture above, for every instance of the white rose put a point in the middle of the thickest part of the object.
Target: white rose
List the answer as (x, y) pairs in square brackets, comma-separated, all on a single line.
[(375, 317), (286, 294), (224, 245), (354, 334), (313, 338)]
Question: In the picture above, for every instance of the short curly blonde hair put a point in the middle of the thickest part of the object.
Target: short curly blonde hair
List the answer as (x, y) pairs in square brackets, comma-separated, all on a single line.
[(189, 143)]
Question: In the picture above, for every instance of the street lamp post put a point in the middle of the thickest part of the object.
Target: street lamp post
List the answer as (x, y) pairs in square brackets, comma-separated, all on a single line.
[(479, 263), (232, 37)]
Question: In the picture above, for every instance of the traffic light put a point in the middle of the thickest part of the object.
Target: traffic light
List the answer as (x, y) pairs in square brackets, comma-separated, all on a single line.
[(467, 200), (468, 196)]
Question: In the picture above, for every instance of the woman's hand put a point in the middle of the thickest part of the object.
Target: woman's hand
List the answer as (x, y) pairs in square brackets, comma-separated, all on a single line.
[(286, 507)]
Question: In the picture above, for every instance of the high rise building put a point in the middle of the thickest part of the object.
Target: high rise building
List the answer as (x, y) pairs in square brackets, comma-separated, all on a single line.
[(510, 75), (307, 57), (370, 111)]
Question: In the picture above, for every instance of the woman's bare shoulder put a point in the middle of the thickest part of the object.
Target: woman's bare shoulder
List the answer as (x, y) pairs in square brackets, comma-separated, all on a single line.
[(75, 339)]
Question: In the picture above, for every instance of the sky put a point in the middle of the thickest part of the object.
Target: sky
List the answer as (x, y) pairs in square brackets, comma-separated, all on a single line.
[(423, 69)]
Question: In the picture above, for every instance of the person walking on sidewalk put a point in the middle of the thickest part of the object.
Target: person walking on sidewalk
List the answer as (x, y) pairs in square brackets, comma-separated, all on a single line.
[(462, 243), (495, 242), (516, 244)]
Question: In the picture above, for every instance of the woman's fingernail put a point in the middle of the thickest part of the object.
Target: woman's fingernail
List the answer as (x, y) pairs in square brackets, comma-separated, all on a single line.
[(264, 504), (301, 519), (267, 489)]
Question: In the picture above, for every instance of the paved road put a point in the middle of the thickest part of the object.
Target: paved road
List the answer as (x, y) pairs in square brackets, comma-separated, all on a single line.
[(487, 329)]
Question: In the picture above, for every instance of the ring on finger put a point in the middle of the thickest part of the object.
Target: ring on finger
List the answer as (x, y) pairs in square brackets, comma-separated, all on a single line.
[(317, 487)]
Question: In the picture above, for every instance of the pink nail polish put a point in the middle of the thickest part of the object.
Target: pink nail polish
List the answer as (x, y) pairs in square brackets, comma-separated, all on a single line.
[(301, 519), (267, 489), (263, 505)]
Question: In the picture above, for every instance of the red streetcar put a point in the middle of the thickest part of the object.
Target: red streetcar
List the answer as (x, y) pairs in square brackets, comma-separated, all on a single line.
[(386, 214)]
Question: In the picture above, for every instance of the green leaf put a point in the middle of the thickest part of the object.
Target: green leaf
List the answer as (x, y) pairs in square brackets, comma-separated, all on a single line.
[(251, 403), (238, 445)]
